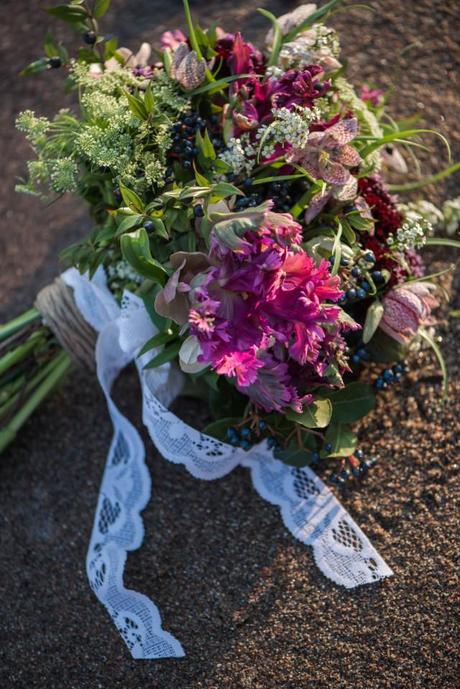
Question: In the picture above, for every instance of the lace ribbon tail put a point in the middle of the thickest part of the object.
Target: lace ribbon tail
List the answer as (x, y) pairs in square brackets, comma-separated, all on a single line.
[(315, 517)]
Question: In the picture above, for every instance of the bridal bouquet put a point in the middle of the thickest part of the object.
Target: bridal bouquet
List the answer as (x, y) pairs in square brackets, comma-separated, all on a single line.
[(238, 192)]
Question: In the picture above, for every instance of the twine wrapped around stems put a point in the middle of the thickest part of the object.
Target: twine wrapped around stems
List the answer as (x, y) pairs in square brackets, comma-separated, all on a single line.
[(60, 313)]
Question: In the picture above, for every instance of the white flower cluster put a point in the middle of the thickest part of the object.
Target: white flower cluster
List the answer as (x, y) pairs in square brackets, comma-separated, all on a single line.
[(240, 154), (426, 209), (412, 234), (32, 126), (63, 175), (288, 127), (123, 272), (451, 213)]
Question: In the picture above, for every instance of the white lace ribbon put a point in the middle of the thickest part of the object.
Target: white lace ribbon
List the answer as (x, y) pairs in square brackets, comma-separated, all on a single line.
[(308, 508)]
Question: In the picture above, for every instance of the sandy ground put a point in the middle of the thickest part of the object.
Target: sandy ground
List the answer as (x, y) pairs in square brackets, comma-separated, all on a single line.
[(248, 603)]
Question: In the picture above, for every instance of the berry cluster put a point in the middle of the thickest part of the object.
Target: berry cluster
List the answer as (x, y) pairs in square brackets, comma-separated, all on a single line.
[(357, 276), (184, 131), (390, 376), (244, 437), (358, 467), (278, 192)]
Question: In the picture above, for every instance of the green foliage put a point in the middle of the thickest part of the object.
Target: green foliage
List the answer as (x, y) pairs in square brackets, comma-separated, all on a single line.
[(135, 247), (351, 402), (316, 415)]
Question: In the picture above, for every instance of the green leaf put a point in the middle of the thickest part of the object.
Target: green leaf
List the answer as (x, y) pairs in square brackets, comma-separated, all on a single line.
[(218, 85), (316, 415), (386, 350), (442, 241), (170, 352), (352, 402), (440, 359), (223, 189), (373, 317), (35, 67), (101, 7), (157, 340), (131, 199), (136, 106), (342, 439), (128, 223), (72, 14), (425, 181), (135, 247), (208, 148), (294, 457), (218, 429), (149, 100), (277, 36)]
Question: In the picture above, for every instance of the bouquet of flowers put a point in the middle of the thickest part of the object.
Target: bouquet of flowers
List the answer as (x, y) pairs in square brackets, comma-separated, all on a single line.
[(241, 214), (240, 192)]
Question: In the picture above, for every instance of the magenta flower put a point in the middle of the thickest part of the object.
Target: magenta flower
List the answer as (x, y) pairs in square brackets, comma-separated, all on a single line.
[(263, 312), (406, 309), (372, 96), (328, 154)]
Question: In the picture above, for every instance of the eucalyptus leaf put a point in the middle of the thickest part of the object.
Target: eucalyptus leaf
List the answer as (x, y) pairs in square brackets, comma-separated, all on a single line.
[(342, 439), (352, 402), (373, 317)]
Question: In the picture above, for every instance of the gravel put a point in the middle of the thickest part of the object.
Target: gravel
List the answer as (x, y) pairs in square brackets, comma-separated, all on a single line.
[(246, 600)]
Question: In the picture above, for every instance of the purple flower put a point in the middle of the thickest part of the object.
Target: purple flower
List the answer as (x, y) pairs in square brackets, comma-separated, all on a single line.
[(406, 309), (262, 311)]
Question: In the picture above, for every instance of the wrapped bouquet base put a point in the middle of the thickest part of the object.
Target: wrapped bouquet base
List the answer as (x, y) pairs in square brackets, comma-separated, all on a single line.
[(308, 508)]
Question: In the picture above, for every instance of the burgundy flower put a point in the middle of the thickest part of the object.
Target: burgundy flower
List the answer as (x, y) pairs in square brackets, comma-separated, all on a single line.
[(299, 87)]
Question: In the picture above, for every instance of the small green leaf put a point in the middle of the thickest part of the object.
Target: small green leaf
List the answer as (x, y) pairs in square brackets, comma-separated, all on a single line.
[(310, 20), (35, 67), (101, 7), (218, 429), (316, 415), (135, 247), (72, 14), (170, 352), (128, 223), (373, 317), (208, 148), (352, 402), (294, 457), (342, 439), (136, 106), (149, 100), (157, 340), (131, 199)]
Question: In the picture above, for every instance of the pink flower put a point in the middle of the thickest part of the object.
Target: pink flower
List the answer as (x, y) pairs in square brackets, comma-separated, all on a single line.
[(172, 39), (328, 154), (372, 96), (262, 311), (406, 309)]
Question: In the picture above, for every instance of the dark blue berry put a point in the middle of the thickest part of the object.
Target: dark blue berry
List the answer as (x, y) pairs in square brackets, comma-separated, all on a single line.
[(245, 433), (149, 226), (342, 299), (245, 444), (356, 271), (328, 447), (198, 211), (369, 257), (187, 164), (262, 425), (55, 62), (388, 375), (356, 358), (344, 262), (359, 454), (360, 293), (271, 442), (247, 183), (356, 471), (363, 353), (345, 474), (90, 37), (365, 286), (351, 293), (315, 456), (334, 479), (398, 368)]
